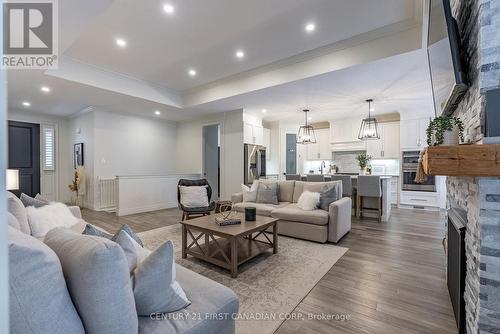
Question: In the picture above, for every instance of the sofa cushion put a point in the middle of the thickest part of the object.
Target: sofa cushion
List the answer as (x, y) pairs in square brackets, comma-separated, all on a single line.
[(293, 213), (319, 187), (285, 190), (16, 207), (328, 197), (98, 279), (13, 222), (209, 299), (262, 209), (39, 299)]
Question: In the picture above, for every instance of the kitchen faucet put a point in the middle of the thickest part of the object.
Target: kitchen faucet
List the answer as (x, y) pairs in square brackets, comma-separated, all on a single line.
[(323, 165)]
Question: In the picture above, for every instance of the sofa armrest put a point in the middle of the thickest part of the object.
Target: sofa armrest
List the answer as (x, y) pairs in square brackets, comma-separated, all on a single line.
[(237, 198), (340, 219), (75, 210)]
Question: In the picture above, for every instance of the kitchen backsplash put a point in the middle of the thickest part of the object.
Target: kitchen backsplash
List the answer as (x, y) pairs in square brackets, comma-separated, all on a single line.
[(346, 161)]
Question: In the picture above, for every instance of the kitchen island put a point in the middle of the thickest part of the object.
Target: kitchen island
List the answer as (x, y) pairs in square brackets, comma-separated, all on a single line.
[(385, 182)]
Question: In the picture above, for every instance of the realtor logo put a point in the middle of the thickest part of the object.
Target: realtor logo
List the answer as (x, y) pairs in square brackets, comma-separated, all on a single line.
[(30, 35)]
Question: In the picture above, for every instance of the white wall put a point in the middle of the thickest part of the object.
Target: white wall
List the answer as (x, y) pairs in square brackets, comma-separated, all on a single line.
[(63, 153), (190, 144), (273, 164), (81, 130), (131, 145), (122, 144)]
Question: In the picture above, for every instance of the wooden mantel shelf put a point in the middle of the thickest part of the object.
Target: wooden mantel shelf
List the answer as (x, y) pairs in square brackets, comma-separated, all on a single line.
[(462, 160)]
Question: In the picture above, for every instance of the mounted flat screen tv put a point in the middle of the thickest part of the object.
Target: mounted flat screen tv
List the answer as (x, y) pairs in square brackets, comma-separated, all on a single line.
[(449, 82)]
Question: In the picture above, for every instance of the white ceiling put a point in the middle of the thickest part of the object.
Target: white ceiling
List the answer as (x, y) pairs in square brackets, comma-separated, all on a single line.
[(396, 84), (205, 35)]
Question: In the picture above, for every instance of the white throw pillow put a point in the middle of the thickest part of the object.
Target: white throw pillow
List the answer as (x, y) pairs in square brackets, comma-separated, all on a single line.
[(250, 193), (308, 201), (194, 196), (45, 218)]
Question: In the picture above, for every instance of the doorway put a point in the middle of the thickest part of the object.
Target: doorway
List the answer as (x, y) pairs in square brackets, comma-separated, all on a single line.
[(24, 155), (291, 153), (211, 157)]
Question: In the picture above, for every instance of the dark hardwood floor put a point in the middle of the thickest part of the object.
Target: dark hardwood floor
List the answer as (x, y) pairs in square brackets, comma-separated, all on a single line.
[(392, 279)]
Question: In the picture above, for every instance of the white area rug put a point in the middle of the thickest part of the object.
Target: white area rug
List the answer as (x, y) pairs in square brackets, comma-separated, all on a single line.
[(268, 284)]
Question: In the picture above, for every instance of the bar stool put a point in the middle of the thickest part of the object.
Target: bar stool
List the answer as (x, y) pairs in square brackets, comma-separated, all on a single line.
[(315, 178), (369, 188), (347, 189), (295, 177)]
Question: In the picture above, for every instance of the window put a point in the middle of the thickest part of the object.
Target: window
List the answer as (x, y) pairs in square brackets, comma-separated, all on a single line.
[(49, 148)]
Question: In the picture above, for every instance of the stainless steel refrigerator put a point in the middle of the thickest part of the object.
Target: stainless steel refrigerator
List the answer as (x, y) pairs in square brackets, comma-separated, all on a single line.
[(255, 163)]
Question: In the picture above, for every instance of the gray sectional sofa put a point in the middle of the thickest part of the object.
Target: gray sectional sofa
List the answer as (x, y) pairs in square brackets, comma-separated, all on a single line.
[(35, 270), (316, 225)]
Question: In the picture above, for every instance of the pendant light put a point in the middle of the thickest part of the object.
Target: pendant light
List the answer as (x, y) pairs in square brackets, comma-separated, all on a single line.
[(369, 126), (306, 133)]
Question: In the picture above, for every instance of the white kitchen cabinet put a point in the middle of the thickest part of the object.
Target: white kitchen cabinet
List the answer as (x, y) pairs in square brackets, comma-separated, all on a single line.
[(321, 150), (394, 190), (413, 133), (390, 144), (387, 147), (267, 142), (345, 131), (253, 134)]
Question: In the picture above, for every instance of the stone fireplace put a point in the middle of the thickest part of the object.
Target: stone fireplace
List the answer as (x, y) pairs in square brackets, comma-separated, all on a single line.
[(479, 25)]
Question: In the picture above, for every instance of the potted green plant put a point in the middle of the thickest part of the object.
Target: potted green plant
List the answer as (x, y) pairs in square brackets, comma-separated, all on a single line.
[(445, 130), (363, 160)]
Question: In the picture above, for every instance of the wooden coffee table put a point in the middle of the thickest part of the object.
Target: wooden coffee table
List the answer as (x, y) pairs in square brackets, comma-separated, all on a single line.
[(228, 246)]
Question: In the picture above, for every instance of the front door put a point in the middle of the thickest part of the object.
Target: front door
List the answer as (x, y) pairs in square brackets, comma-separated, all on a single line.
[(24, 155)]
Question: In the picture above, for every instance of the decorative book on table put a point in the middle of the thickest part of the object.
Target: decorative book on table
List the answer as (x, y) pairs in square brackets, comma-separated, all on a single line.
[(227, 221)]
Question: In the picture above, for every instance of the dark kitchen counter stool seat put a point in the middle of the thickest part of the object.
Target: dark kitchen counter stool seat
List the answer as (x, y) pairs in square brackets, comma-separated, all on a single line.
[(188, 213), (369, 189), (347, 189)]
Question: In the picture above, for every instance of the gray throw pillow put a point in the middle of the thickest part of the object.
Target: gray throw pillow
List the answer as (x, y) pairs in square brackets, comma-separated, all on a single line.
[(134, 252), (98, 279), (155, 287), (328, 197), (30, 201), (92, 230), (268, 193), (39, 299), (129, 231), (16, 207)]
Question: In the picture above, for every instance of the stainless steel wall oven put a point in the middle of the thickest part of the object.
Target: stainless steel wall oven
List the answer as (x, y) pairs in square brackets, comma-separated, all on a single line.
[(410, 165)]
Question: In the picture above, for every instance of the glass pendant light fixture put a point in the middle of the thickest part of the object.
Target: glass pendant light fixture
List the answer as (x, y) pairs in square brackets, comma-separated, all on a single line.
[(369, 126), (306, 133)]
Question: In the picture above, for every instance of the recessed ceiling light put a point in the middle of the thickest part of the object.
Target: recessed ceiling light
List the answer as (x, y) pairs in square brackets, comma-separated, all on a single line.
[(372, 109), (45, 89), (121, 42), (310, 27), (309, 118), (192, 72), (26, 104), (157, 113), (264, 111), (240, 54), (168, 8)]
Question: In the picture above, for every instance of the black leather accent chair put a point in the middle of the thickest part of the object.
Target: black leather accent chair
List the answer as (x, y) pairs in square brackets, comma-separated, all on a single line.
[(188, 213)]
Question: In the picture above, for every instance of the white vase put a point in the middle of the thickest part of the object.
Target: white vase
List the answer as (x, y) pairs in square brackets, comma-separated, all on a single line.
[(451, 137), (362, 172)]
